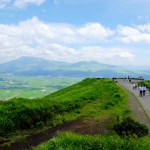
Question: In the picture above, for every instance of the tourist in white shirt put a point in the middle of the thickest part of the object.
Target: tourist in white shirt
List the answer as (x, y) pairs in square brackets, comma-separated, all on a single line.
[(141, 91)]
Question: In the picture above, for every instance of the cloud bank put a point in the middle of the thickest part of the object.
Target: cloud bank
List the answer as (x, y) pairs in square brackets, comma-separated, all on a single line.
[(65, 42)]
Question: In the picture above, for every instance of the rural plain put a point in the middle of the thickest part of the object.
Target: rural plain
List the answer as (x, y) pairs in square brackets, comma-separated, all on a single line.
[(32, 87)]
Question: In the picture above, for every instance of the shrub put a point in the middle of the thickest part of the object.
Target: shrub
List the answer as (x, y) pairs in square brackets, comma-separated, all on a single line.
[(129, 127), (40, 124), (117, 95)]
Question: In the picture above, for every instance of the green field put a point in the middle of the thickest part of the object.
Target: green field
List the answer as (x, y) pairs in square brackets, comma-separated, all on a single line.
[(32, 87)]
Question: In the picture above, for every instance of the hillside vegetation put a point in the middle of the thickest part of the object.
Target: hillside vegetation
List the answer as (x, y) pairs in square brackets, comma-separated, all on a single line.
[(71, 141), (99, 97), (146, 83)]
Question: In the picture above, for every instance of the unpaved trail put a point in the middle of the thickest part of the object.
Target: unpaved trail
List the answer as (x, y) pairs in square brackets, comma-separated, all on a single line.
[(77, 126), (140, 106)]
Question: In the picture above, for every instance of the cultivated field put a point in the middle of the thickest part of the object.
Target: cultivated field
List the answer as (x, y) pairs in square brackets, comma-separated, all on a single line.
[(32, 87)]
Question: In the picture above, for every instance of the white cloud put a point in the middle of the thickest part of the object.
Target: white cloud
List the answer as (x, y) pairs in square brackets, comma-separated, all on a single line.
[(144, 28), (64, 42), (19, 3), (135, 34), (75, 2), (24, 3), (94, 31), (62, 33), (100, 53), (3, 3)]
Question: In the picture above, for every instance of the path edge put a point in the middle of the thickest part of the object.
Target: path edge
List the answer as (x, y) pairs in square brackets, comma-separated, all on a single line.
[(148, 118)]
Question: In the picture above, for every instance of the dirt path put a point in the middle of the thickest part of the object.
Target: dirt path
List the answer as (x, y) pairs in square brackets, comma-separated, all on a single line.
[(81, 126), (137, 104)]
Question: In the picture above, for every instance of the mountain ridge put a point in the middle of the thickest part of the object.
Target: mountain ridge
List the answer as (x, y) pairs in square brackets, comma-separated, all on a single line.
[(29, 66)]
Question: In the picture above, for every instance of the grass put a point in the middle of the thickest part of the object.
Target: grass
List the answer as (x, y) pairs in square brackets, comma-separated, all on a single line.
[(106, 106), (71, 141), (99, 97), (32, 87), (146, 83)]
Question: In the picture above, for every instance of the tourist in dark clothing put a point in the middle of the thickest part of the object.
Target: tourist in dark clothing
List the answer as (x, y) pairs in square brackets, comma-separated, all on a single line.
[(144, 90), (141, 90)]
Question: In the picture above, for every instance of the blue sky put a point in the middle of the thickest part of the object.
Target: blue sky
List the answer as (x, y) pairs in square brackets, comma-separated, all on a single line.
[(109, 31)]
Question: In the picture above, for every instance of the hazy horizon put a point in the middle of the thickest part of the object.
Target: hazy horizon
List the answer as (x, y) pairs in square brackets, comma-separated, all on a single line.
[(123, 65)]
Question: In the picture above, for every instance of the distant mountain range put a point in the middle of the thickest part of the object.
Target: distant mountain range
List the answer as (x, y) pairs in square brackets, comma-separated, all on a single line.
[(32, 66)]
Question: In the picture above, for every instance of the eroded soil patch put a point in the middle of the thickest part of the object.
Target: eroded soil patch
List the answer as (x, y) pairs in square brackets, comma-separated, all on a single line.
[(81, 126)]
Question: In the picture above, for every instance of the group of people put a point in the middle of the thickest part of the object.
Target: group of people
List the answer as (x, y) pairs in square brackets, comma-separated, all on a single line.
[(142, 89), (135, 86)]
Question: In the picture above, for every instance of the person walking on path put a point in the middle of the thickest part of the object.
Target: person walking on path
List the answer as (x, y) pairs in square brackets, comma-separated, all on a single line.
[(144, 90), (133, 86), (136, 86), (141, 91)]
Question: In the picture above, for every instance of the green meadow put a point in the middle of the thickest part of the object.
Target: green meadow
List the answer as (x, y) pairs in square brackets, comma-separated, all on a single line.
[(32, 87)]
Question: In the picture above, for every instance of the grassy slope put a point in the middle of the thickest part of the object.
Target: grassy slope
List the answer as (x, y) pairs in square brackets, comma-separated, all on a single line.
[(146, 83), (66, 104), (71, 141)]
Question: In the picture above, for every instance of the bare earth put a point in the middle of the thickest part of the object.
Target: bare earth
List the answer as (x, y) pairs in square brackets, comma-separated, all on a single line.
[(90, 127)]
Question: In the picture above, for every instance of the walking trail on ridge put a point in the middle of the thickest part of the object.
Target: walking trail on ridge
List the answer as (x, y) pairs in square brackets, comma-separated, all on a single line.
[(140, 106)]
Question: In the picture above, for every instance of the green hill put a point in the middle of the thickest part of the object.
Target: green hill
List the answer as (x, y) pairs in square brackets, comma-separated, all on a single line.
[(23, 114), (99, 103)]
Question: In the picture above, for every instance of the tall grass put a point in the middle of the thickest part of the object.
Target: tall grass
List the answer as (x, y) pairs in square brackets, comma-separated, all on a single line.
[(23, 114), (71, 141), (146, 83)]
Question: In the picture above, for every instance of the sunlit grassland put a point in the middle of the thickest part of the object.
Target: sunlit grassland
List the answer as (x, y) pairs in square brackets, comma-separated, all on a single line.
[(71, 141), (146, 83), (104, 106), (91, 99), (32, 87)]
